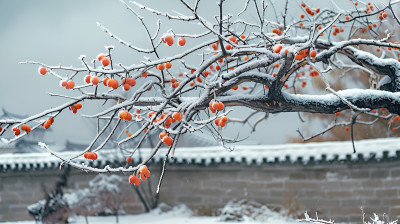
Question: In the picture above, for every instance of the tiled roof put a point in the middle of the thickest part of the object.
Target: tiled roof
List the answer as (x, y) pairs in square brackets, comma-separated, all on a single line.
[(375, 149)]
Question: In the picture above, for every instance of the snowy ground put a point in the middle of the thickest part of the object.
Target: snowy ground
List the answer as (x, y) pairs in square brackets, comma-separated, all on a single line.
[(178, 215), (163, 219)]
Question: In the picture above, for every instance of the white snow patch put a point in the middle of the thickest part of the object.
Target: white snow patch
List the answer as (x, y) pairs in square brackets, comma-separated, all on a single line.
[(244, 210), (108, 183), (76, 196)]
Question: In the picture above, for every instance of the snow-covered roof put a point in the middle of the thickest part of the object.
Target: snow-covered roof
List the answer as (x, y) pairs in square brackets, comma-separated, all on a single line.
[(25, 146), (376, 149), (7, 115), (73, 146), (4, 145)]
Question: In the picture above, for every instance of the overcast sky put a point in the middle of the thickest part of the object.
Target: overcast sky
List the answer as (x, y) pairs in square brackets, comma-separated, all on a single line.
[(55, 32)]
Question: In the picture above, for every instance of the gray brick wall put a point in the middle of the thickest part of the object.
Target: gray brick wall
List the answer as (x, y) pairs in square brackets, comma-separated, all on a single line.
[(335, 190)]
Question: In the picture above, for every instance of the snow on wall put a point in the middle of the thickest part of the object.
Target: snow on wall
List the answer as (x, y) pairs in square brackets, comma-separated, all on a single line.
[(368, 149)]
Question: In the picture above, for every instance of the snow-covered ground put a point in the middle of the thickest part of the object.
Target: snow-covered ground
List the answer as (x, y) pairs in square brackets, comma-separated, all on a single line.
[(183, 215), (149, 218), (177, 215)]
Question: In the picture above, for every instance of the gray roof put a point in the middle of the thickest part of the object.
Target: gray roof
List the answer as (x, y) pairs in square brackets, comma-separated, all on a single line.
[(4, 145), (11, 116)]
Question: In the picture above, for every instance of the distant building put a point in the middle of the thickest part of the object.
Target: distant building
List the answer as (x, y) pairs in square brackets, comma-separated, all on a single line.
[(27, 144), (36, 134)]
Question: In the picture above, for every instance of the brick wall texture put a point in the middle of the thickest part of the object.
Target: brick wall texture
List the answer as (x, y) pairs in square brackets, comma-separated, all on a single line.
[(335, 190)]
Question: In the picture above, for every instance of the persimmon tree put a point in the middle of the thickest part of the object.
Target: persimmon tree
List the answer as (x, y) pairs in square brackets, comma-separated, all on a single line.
[(258, 65)]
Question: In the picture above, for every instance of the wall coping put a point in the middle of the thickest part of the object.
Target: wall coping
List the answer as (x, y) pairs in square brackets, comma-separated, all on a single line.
[(372, 149)]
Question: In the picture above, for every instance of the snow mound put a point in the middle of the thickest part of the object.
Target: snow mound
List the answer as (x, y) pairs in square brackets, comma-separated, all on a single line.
[(106, 183), (77, 196), (244, 210), (179, 210)]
